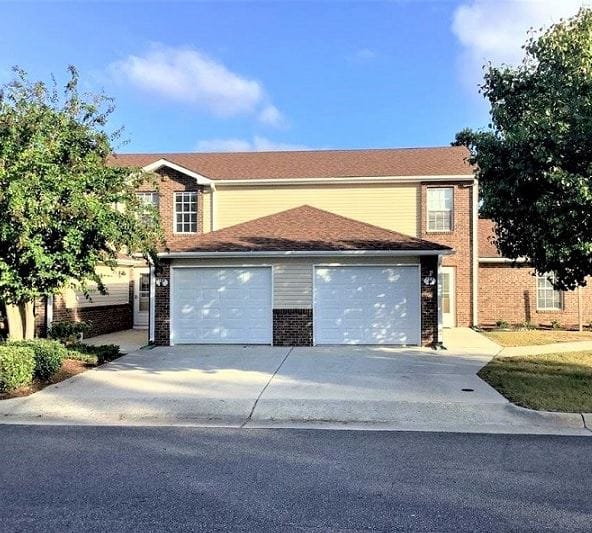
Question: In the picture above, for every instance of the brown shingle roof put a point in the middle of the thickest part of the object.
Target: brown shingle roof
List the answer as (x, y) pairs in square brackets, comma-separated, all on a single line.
[(444, 161), (487, 247), (306, 228)]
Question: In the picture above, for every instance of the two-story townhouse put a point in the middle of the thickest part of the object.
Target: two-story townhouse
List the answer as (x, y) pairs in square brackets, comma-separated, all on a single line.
[(312, 247)]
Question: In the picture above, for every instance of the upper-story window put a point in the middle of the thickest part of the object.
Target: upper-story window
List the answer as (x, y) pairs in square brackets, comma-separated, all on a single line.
[(149, 199), (186, 212), (548, 297), (440, 208)]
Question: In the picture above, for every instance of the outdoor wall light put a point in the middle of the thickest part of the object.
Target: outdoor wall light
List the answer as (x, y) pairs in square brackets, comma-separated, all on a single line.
[(429, 280), (161, 282)]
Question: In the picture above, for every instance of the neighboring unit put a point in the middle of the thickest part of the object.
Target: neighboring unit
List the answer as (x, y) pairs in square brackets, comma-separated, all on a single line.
[(513, 292)]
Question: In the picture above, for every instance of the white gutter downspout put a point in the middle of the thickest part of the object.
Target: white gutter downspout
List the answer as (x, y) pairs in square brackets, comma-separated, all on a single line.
[(475, 255), (212, 208), (440, 316)]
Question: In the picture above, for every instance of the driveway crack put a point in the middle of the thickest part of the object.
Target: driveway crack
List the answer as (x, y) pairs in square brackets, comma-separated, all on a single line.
[(248, 419)]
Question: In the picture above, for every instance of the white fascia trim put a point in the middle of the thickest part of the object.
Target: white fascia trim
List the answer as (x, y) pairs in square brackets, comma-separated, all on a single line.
[(346, 180), (354, 253), (152, 167), (501, 260)]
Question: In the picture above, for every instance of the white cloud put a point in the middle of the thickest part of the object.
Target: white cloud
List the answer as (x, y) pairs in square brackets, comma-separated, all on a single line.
[(271, 116), (258, 144), (188, 76), (365, 54), (493, 30)]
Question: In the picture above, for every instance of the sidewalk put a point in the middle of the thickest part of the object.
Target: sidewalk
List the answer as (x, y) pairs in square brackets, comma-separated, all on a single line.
[(129, 340), (558, 347)]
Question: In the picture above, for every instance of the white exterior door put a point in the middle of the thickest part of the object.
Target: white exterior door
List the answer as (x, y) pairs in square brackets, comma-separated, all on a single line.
[(141, 298), (221, 305), (447, 296), (367, 305)]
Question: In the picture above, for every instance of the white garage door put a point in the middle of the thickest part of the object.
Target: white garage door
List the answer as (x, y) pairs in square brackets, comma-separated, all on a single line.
[(221, 305), (367, 305)]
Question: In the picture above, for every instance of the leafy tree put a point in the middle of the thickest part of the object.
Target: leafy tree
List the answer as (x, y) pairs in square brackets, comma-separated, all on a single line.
[(63, 209), (534, 163)]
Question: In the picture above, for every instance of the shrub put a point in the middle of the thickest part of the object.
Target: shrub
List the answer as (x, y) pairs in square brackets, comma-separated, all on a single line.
[(102, 353), (502, 324), (527, 325), (555, 324), (68, 331), (48, 355), (17, 365)]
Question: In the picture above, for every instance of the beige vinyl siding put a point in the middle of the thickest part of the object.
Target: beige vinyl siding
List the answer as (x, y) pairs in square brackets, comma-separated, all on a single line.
[(116, 281), (292, 277), (391, 206), (206, 211)]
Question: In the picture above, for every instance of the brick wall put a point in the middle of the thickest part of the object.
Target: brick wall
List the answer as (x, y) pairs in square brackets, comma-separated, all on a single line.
[(170, 182), (162, 308), (429, 302), (292, 327), (105, 318), (460, 238), (508, 293)]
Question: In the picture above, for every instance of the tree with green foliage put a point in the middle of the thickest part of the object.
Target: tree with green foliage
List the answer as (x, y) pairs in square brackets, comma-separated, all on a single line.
[(63, 208), (534, 163)]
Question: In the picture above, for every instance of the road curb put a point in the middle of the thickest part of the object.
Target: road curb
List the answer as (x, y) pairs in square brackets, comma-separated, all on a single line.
[(568, 420)]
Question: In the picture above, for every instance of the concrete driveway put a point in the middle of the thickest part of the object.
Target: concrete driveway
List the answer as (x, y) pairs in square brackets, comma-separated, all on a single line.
[(260, 386)]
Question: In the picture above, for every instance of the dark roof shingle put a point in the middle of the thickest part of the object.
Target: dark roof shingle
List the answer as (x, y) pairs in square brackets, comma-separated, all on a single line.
[(439, 161), (306, 228)]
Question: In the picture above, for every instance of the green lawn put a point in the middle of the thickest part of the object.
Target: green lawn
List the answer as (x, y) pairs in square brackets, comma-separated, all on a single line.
[(549, 382), (533, 337)]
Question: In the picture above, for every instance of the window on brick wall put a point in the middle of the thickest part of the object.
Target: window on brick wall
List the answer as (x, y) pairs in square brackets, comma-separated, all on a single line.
[(150, 200), (186, 212), (548, 298), (440, 202)]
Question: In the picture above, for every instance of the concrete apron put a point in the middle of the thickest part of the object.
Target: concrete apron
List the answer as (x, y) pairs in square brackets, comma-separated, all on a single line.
[(331, 387)]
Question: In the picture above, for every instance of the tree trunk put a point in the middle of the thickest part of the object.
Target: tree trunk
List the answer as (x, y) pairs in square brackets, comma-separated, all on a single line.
[(21, 320), (16, 324), (29, 316)]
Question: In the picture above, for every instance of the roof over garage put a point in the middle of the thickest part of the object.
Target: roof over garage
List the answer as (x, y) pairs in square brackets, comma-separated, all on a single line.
[(307, 229)]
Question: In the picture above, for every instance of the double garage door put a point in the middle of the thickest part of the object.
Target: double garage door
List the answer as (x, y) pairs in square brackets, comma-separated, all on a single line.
[(351, 305)]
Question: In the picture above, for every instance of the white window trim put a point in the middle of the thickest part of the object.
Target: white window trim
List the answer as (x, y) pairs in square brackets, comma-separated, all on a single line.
[(175, 231), (561, 295), (451, 212)]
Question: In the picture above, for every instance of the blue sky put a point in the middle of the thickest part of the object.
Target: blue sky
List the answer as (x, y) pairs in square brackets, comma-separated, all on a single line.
[(277, 75)]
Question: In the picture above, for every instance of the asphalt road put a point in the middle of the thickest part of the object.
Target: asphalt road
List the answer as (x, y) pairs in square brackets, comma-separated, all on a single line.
[(61, 478)]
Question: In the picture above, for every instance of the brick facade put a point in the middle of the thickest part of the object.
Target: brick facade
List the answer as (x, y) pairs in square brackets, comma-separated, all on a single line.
[(460, 238), (508, 293), (162, 307), (170, 182), (292, 327), (104, 318), (429, 303)]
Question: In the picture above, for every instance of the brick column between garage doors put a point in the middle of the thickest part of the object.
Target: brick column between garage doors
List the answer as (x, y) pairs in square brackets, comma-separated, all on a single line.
[(162, 306), (429, 302)]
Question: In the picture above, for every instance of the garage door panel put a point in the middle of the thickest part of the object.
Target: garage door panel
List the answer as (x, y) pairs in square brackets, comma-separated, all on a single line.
[(221, 305), (367, 305)]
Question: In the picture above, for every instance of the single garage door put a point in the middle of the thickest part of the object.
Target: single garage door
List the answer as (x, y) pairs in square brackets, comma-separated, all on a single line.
[(221, 305), (367, 305)]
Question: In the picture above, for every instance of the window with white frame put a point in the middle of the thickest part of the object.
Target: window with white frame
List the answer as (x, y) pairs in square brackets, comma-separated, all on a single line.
[(186, 212), (440, 207), (548, 298), (150, 201)]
